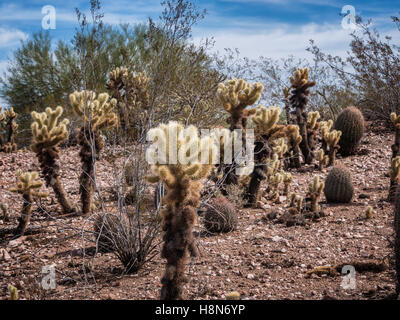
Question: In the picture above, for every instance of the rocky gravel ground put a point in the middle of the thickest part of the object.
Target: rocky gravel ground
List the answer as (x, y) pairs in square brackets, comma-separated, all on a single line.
[(260, 260)]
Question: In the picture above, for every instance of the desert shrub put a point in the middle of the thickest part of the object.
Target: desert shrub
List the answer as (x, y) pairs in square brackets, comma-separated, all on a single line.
[(338, 186), (117, 234), (221, 216), (351, 123)]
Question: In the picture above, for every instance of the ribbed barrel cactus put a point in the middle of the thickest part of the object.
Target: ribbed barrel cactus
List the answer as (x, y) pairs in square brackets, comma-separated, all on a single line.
[(235, 96), (338, 186), (27, 185), (96, 113), (351, 123), (298, 100), (183, 181), (48, 133)]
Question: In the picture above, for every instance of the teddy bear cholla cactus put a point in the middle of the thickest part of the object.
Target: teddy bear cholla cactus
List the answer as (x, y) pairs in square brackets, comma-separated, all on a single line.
[(394, 177), (325, 127), (11, 127), (312, 128), (322, 158), (183, 184), (315, 190), (131, 90), (332, 142), (294, 139), (299, 98), (235, 96), (96, 114), (266, 128), (47, 135), (287, 181), (27, 185)]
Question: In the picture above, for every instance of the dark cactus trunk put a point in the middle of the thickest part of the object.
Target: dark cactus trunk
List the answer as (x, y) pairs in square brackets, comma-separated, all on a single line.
[(262, 151), (179, 218), (50, 169), (91, 144), (25, 215)]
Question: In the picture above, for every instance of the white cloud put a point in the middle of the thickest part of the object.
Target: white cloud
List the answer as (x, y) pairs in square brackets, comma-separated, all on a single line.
[(11, 37), (280, 40)]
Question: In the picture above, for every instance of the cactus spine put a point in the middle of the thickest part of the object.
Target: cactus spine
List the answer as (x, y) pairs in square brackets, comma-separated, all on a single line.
[(235, 96), (287, 181), (299, 98), (315, 189), (351, 123), (27, 185), (96, 114), (183, 184), (47, 135)]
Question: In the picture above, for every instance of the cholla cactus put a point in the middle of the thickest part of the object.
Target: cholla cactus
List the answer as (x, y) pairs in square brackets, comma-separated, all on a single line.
[(286, 95), (332, 142), (47, 135), (296, 201), (323, 159), (287, 181), (267, 128), (13, 292), (396, 146), (312, 128), (325, 127), (11, 127), (96, 114), (315, 190), (298, 100), (294, 140), (280, 147), (394, 173), (369, 213), (27, 185), (274, 183), (235, 96), (183, 183), (131, 90)]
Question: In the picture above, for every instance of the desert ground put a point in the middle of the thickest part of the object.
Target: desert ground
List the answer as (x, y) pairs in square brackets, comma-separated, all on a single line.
[(261, 260)]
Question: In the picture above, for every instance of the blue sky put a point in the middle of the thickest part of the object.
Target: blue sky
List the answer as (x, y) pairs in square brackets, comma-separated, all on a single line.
[(272, 28)]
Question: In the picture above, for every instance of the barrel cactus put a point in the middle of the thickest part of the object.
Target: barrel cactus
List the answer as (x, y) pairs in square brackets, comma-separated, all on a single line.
[(351, 123), (221, 216), (338, 186)]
